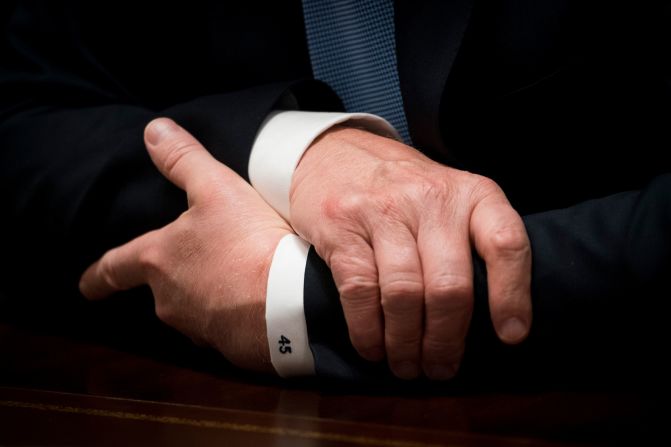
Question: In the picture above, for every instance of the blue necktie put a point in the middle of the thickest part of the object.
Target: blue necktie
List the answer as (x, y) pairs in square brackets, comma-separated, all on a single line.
[(353, 49)]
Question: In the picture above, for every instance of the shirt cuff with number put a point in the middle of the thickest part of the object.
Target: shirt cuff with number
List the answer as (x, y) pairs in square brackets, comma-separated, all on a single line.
[(280, 143)]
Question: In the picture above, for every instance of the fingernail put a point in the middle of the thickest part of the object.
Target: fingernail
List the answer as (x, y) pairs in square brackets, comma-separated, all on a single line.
[(441, 372), (373, 354), (513, 330), (406, 370), (159, 129)]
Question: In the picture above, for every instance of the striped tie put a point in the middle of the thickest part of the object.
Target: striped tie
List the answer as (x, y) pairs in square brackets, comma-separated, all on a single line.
[(353, 49)]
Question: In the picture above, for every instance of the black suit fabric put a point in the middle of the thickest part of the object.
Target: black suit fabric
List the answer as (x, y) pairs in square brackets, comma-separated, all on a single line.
[(599, 298), (78, 83), (541, 96)]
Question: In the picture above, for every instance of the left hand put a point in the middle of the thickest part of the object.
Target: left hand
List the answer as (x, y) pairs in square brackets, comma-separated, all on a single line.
[(396, 229)]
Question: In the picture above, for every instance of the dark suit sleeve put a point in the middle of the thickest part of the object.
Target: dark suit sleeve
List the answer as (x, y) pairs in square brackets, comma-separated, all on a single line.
[(73, 166), (598, 291)]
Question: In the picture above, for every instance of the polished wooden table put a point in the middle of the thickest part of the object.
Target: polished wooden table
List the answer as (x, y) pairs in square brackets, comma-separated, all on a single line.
[(58, 389)]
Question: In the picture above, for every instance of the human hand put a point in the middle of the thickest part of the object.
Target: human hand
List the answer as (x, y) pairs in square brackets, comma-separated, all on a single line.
[(396, 229), (208, 269)]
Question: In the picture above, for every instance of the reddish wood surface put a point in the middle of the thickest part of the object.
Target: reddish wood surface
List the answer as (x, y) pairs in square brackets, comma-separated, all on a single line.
[(60, 390)]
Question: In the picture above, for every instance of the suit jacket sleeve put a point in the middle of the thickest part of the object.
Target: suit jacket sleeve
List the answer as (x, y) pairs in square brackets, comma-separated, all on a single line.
[(72, 161), (598, 291)]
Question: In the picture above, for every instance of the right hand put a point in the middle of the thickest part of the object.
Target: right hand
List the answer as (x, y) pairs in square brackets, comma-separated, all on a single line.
[(208, 269)]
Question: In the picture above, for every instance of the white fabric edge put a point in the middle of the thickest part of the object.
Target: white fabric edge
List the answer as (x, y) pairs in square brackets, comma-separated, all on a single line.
[(285, 315), (282, 140)]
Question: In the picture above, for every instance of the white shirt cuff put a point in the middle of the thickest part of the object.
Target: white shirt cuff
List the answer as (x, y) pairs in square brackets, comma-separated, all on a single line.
[(282, 140), (280, 143), (286, 327)]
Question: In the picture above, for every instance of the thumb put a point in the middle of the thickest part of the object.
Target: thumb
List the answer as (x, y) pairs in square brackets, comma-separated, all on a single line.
[(183, 160)]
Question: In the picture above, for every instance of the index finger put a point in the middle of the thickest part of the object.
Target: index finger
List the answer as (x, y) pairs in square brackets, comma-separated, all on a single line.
[(121, 268)]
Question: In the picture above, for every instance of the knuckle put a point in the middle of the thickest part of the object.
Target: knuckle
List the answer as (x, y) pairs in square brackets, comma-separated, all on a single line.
[(437, 344), (150, 258), (387, 205), (176, 151), (484, 185), (414, 181), (339, 207), (365, 336), (355, 274), (450, 293), (510, 242), (366, 327), (108, 269), (391, 207), (400, 296), (439, 349), (404, 345), (403, 289), (356, 289)]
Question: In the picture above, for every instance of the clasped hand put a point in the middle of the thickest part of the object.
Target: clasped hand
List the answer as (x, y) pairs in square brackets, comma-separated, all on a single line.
[(395, 228)]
